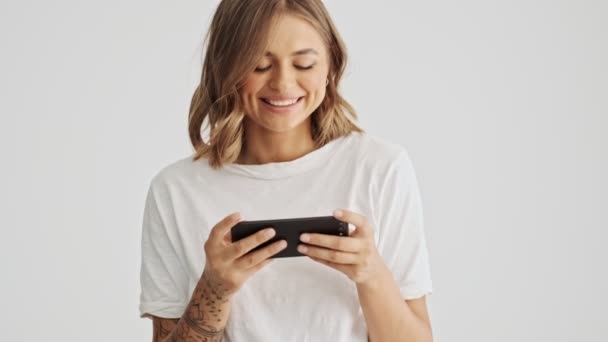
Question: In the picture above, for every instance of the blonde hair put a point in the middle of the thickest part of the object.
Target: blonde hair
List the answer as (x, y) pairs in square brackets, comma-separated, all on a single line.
[(236, 40)]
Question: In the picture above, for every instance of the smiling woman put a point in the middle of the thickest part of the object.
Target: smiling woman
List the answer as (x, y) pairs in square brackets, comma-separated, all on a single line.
[(281, 94), (278, 52), (282, 143)]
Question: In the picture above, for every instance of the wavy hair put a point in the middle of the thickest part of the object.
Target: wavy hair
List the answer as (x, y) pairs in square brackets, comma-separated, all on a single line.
[(236, 40)]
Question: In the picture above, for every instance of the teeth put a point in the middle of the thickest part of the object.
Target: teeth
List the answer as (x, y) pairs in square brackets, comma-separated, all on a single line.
[(281, 103)]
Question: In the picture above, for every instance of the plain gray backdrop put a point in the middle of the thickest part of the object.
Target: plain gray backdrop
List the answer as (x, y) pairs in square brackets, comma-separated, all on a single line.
[(502, 105)]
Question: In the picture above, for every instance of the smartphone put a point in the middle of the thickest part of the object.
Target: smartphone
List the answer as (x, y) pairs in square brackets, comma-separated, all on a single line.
[(290, 231)]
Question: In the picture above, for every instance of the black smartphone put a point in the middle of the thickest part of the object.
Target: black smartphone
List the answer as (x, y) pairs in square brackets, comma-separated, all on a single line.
[(290, 231)]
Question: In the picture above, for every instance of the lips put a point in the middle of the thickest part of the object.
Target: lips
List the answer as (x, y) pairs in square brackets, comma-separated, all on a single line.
[(281, 98), (281, 101), (282, 108)]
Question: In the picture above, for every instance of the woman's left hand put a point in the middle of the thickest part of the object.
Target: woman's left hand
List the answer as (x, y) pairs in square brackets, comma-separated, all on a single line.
[(356, 255)]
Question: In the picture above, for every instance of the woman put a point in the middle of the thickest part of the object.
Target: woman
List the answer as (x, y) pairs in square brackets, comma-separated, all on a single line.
[(282, 144)]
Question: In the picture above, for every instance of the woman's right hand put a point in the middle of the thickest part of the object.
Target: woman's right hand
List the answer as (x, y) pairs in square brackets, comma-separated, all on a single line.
[(227, 267)]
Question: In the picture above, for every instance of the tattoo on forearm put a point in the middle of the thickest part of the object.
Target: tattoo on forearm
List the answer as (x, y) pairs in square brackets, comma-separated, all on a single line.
[(204, 310), (211, 300), (162, 328), (204, 330)]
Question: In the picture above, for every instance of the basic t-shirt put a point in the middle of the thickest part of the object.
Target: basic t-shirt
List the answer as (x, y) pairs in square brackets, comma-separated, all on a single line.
[(296, 298)]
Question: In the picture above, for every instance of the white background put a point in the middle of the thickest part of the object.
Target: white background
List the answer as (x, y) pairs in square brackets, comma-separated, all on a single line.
[(502, 105)]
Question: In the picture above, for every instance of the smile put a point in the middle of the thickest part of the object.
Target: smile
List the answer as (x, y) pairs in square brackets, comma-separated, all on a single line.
[(283, 105)]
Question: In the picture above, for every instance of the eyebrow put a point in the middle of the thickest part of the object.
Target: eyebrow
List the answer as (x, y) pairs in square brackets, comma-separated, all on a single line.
[(299, 52)]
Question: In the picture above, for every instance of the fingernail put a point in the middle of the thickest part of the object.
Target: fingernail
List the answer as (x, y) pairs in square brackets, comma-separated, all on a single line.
[(304, 238), (270, 233), (338, 213), (302, 249)]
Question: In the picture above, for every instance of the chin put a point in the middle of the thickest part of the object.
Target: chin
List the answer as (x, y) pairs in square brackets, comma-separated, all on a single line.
[(280, 127)]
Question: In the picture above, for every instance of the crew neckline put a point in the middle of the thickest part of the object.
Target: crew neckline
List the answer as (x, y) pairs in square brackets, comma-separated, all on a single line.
[(278, 170)]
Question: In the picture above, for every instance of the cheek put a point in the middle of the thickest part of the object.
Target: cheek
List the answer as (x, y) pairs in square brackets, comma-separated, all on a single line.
[(314, 84), (248, 91), (252, 86)]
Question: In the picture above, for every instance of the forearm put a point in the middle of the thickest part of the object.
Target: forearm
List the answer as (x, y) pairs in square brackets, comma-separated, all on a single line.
[(387, 315), (205, 317)]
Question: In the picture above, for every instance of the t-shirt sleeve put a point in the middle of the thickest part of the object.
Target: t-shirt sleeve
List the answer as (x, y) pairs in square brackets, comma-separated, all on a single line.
[(402, 241), (163, 280)]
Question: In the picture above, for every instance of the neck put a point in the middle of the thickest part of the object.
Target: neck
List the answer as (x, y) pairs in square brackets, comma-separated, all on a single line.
[(262, 146)]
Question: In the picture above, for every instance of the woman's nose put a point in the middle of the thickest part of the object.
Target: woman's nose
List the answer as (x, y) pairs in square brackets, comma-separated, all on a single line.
[(282, 79)]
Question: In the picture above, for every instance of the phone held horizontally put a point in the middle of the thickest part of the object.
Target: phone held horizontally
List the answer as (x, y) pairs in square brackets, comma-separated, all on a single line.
[(290, 231)]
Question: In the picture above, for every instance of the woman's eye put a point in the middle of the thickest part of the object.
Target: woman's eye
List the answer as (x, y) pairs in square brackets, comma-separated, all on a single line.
[(262, 69), (297, 67), (305, 68)]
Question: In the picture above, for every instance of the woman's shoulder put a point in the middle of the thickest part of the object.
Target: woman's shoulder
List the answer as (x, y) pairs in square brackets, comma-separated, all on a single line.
[(375, 149), (178, 171)]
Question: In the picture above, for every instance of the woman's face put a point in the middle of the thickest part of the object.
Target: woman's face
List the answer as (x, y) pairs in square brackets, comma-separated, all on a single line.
[(288, 83)]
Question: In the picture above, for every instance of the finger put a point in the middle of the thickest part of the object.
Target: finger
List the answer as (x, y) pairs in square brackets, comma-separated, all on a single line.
[(253, 259), (331, 255), (339, 267), (243, 246), (363, 228), (340, 243), (259, 266), (219, 231)]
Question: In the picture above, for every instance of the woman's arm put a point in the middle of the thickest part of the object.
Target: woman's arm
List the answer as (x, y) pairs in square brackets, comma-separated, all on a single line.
[(205, 317), (388, 317)]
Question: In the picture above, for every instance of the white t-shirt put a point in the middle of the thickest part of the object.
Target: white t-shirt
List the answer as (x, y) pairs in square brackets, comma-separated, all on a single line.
[(291, 299)]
